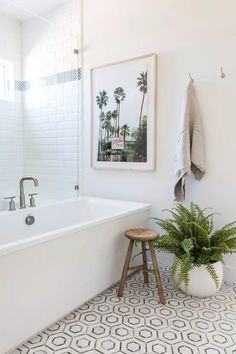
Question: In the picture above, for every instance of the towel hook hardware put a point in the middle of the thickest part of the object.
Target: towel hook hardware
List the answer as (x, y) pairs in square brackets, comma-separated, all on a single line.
[(190, 77), (222, 75)]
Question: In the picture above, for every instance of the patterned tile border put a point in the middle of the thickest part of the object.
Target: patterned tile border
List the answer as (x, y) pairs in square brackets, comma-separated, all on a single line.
[(50, 80)]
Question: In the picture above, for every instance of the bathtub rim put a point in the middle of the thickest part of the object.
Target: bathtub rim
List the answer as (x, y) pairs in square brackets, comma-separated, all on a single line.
[(61, 232)]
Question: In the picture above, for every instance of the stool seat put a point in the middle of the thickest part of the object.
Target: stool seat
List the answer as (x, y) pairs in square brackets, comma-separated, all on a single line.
[(141, 234)]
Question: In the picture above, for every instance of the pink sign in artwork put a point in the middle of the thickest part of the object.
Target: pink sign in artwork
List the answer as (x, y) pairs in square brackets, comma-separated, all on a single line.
[(118, 143)]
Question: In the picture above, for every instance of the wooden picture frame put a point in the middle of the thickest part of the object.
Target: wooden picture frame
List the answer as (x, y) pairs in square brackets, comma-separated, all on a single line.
[(123, 106)]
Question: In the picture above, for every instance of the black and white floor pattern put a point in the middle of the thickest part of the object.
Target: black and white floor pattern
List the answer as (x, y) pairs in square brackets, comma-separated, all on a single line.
[(138, 323)]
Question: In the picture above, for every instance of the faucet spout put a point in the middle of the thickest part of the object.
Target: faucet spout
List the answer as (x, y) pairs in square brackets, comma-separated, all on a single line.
[(22, 192)]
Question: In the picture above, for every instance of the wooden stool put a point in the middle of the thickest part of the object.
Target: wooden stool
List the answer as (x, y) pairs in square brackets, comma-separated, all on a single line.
[(142, 235)]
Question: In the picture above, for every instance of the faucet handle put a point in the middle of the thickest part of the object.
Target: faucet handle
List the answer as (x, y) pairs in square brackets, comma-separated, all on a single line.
[(32, 200), (12, 205)]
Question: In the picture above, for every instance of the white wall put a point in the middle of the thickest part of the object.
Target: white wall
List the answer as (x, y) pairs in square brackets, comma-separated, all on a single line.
[(188, 36), (11, 159), (51, 112)]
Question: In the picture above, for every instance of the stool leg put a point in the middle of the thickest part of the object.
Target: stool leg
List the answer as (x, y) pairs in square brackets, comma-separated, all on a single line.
[(157, 273), (125, 269), (145, 271)]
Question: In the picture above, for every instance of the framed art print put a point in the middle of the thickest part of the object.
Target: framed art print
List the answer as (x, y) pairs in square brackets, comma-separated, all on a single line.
[(123, 98)]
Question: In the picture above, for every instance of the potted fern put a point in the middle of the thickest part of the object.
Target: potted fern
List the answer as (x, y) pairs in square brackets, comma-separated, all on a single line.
[(198, 249)]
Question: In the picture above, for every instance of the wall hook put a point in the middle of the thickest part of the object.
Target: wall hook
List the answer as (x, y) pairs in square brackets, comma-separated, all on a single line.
[(222, 75), (190, 77)]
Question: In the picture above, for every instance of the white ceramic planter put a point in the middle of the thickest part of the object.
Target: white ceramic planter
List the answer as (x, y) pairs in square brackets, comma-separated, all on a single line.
[(201, 283)]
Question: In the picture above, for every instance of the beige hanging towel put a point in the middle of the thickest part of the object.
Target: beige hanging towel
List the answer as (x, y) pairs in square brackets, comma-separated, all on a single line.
[(190, 154)]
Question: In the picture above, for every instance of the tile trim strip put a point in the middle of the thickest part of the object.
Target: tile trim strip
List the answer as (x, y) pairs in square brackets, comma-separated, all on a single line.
[(50, 80)]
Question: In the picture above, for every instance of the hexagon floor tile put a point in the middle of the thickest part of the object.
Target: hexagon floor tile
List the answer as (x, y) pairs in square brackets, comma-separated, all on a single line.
[(138, 323)]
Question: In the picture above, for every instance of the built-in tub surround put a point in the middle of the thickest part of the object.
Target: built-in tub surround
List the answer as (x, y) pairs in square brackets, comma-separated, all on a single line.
[(72, 252)]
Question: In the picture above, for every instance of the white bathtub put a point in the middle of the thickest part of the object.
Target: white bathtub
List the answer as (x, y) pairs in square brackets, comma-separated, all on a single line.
[(72, 252)]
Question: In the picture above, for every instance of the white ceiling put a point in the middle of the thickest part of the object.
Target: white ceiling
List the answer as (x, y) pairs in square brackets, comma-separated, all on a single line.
[(24, 9)]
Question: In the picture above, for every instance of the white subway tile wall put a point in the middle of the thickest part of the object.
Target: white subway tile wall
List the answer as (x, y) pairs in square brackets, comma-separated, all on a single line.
[(11, 143), (39, 131), (11, 147), (51, 138), (50, 107)]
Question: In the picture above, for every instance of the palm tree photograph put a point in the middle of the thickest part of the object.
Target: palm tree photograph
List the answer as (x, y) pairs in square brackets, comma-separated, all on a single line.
[(122, 106)]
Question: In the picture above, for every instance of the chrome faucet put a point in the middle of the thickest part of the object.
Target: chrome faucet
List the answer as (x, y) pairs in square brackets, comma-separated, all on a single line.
[(22, 193)]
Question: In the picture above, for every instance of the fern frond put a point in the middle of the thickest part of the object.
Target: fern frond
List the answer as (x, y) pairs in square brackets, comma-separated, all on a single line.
[(183, 272), (201, 235), (222, 235), (210, 268), (167, 243), (174, 268), (229, 225), (187, 245), (231, 243), (169, 227)]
